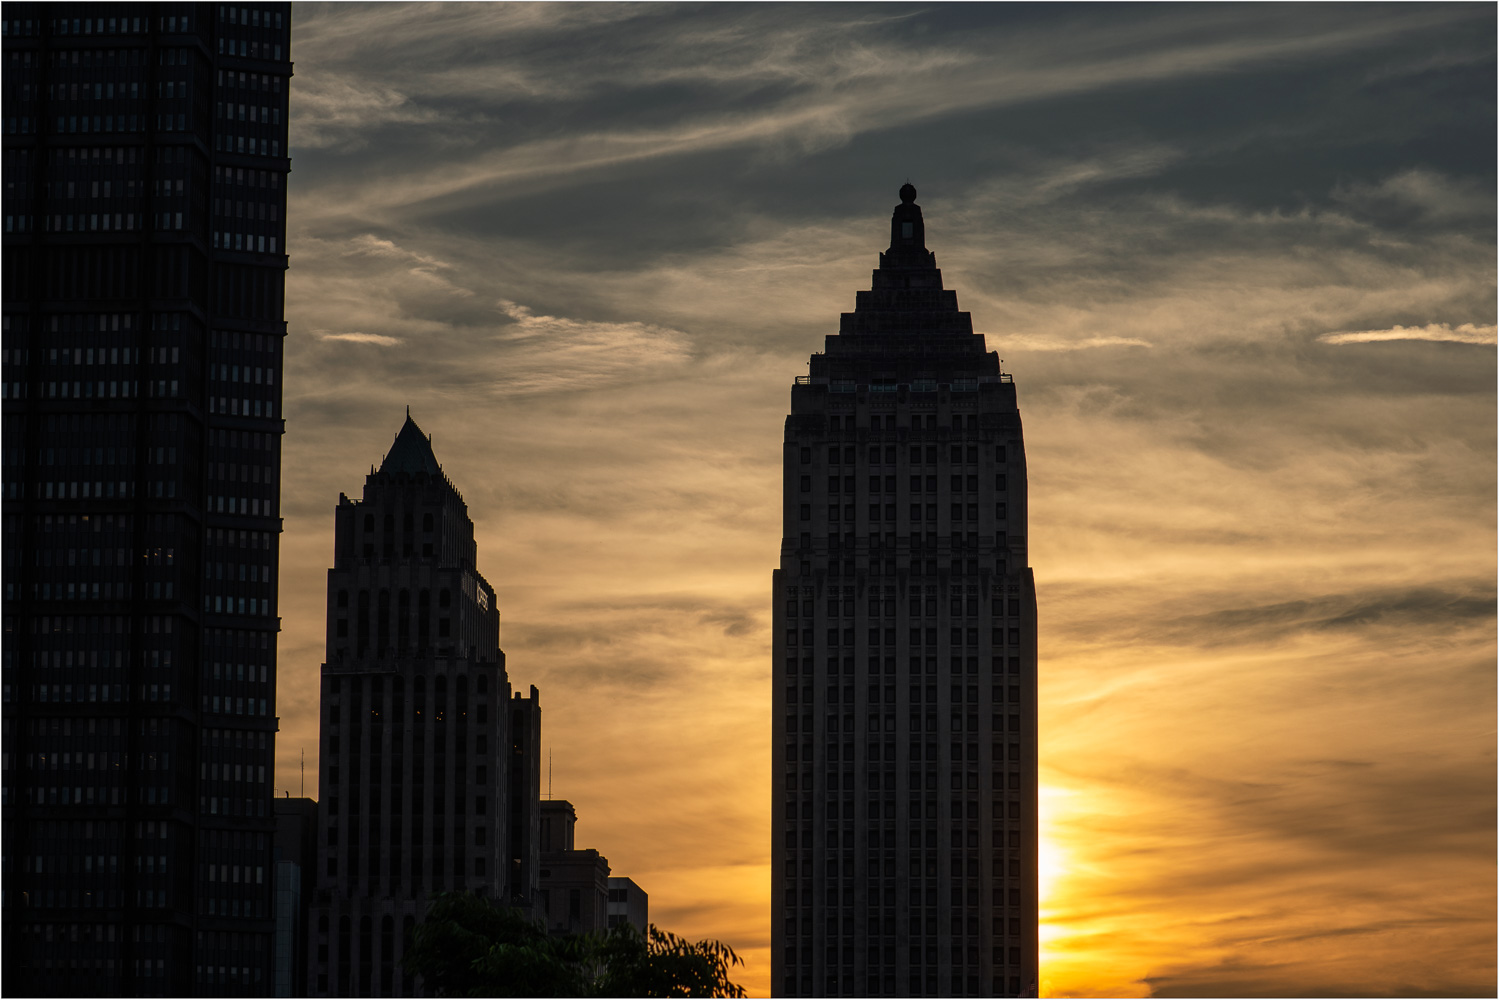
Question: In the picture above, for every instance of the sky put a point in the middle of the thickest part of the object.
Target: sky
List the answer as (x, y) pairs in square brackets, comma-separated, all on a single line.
[(1241, 262)]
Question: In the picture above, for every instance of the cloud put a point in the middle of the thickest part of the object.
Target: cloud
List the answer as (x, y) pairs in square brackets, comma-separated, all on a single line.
[(827, 80), (603, 239), (551, 353), (1429, 194), (342, 112), (370, 245), (1264, 625), (1034, 344), (1466, 333), (362, 338)]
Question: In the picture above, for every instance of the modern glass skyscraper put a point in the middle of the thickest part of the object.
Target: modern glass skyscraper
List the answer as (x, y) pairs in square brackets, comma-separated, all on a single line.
[(145, 160), (905, 657)]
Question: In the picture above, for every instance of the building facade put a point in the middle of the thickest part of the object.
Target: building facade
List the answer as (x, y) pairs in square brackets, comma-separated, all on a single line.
[(574, 882), (904, 814), (628, 904), (296, 860), (145, 165), (430, 764)]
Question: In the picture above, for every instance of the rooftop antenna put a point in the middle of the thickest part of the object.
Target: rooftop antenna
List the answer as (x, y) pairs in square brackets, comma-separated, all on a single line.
[(304, 772), (549, 774)]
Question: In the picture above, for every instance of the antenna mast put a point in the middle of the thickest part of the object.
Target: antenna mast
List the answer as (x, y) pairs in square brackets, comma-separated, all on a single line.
[(304, 772), (549, 774)]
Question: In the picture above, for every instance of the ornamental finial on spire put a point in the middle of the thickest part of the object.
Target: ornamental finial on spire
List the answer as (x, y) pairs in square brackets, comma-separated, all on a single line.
[(907, 232)]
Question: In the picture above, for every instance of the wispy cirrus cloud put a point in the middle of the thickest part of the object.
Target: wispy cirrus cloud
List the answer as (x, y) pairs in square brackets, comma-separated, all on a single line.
[(1464, 333), (1428, 194), (820, 82), (1037, 344), (356, 337), (602, 239)]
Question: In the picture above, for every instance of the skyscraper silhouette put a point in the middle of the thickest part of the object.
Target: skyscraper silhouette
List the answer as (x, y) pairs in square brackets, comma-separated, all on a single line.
[(431, 766), (145, 163), (904, 811)]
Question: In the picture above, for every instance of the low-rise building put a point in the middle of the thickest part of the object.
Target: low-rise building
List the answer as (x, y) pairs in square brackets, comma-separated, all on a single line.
[(628, 904), (574, 883)]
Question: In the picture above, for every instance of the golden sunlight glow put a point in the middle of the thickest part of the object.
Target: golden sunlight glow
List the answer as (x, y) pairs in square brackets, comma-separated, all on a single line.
[(1051, 865), (1253, 515), (1050, 857)]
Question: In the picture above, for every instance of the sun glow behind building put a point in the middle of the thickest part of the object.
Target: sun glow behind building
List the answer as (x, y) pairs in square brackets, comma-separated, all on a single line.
[(1246, 527), (905, 849)]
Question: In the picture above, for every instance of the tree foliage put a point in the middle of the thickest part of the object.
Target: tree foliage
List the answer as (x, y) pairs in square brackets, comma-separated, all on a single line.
[(469, 947)]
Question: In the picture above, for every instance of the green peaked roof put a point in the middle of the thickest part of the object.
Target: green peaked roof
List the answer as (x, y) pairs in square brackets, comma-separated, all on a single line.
[(412, 452)]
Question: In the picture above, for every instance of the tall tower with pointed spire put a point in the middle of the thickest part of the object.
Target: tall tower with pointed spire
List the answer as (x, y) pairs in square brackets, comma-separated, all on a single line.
[(904, 811), (430, 764)]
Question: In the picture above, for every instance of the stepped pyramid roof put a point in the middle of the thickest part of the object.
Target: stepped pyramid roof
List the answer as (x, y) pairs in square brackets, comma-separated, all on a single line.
[(906, 327)]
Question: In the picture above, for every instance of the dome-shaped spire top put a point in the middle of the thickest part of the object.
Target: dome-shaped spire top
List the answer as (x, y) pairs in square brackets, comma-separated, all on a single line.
[(907, 193)]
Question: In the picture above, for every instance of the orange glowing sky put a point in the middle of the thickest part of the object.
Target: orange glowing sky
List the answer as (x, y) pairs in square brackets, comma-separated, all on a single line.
[(1241, 262)]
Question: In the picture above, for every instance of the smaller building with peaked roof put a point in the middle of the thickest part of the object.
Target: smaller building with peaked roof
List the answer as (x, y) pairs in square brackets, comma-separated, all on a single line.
[(430, 762)]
